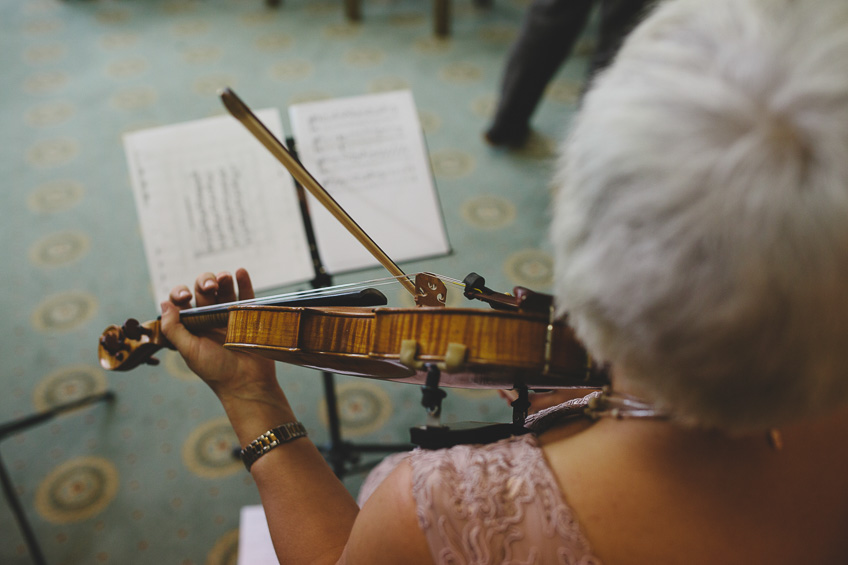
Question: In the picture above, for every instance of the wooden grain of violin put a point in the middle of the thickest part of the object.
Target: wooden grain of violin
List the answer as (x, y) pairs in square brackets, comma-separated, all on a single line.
[(513, 345)]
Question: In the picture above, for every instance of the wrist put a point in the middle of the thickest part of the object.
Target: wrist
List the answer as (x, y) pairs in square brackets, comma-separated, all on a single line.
[(256, 411)]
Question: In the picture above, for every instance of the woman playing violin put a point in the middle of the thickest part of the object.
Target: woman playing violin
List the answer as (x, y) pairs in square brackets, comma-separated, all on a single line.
[(701, 248)]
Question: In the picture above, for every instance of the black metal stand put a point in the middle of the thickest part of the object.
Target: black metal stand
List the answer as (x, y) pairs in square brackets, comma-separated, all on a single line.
[(19, 425), (343, 456), (434, 435)]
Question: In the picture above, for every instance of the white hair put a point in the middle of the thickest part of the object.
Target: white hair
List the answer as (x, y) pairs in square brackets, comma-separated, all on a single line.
[(700, 227)]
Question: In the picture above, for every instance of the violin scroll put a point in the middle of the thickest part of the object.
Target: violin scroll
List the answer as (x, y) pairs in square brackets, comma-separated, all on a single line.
[(122, 348)]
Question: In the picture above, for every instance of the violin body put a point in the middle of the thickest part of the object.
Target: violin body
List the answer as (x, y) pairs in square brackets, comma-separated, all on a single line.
[(473, 348)]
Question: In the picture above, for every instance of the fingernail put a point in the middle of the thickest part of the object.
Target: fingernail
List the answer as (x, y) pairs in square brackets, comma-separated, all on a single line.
[(209, 285), (184, 294)]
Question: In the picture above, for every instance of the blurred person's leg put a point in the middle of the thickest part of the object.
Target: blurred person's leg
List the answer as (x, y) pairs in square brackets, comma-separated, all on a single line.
[(617, 20), (548, 34)]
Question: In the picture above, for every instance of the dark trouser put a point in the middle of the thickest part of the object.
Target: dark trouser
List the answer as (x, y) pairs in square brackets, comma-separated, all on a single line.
[(547, 37)]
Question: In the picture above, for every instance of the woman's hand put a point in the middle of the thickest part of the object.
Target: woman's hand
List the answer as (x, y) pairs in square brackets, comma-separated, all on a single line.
[(228, 373)]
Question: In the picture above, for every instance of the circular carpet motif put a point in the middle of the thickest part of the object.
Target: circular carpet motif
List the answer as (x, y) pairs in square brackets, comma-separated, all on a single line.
[(113, 15), (294, 69), (208, 451), (42, 54), (488, 212), (532, 268), (56, 196), (67, 385), (431, 122), (53, 152), (64, 311), (225, 550), (461, 72), (127, 68), (134, 98), (344, 30), (49, 114), (432, 45), (202, 54), (364, 407), (274, 42), (191, 28), (59, 249), (364, 57), (45, 82), (118, 40), (76, 490), (498, 34), (388, 84), (484, 106), (451, 163)]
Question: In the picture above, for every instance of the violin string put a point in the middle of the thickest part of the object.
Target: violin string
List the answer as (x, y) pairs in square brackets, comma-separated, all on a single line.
[(314, 293)]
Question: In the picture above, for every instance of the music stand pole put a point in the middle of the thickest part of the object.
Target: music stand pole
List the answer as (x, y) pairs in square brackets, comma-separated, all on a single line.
[(339, 452)]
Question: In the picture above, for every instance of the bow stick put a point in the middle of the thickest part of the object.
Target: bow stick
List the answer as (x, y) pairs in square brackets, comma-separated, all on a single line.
[(248, 119)]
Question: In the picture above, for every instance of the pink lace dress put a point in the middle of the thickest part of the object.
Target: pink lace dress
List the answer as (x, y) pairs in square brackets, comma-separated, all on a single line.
[(493, 504)]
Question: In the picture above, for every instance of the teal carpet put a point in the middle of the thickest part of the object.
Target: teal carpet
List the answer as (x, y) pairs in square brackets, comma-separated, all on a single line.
[(149, 478)]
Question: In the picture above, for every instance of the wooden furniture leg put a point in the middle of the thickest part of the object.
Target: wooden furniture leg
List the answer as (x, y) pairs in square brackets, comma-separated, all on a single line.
[(353, 10), (441, 18)]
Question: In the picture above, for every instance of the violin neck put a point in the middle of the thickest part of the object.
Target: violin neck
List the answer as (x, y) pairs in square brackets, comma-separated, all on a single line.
[(205, 319), (209, 317)]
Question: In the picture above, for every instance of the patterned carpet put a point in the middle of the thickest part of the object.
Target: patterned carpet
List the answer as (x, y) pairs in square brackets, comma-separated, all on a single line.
[(150, 477)]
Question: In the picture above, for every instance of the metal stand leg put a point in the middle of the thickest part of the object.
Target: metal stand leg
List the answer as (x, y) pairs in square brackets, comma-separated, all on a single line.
[(520, 406), (436, 436), (20, 425), (432, 396), (344, 456)]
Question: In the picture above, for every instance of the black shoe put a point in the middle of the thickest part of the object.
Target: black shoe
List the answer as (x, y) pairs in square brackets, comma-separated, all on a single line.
[(514, 139)]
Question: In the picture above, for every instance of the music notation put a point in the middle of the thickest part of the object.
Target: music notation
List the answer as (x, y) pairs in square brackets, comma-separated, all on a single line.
[(369, 153), (211, 198)]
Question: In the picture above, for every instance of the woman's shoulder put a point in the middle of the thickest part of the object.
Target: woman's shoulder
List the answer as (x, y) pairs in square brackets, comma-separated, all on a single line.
[(500, 496)]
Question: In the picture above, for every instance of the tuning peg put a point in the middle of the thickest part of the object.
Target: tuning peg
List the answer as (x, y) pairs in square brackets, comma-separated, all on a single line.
[(134, 330), (112, 343)]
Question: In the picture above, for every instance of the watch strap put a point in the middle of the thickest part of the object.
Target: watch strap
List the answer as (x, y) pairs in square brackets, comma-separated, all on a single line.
[(269, 440)]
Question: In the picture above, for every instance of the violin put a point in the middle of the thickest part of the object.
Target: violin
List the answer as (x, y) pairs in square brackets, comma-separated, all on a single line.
[(515, 344)]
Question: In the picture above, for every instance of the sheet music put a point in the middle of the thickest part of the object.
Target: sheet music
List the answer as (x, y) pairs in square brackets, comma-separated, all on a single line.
[(369, 153), (211, 198), (255, 546)]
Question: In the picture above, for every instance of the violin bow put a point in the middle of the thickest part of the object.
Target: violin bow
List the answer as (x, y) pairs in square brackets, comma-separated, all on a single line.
[(240, 111)]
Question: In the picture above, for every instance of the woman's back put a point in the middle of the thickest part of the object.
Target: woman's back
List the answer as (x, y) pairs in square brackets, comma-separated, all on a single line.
[(651, 492)]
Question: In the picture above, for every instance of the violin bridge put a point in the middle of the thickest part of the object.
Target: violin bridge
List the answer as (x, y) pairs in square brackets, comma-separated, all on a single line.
[(430, 291)]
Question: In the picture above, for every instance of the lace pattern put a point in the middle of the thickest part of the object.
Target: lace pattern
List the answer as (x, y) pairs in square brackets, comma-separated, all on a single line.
[(494, 504)]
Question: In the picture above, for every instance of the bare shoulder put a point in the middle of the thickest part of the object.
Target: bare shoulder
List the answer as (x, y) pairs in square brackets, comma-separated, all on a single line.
[(387, 530), (710, 498)]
